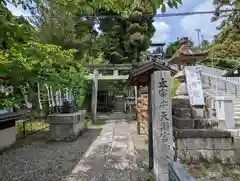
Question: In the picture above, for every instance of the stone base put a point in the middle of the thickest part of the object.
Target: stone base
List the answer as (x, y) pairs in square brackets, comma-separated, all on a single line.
[(7, 137), (66, 126), (196, 146)]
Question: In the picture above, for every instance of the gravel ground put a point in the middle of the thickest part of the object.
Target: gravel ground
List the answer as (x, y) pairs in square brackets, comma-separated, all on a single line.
[(36, 159)]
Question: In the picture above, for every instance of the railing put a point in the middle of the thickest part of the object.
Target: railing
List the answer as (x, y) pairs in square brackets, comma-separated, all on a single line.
[(213, 70), (228, 86), (177, 172)]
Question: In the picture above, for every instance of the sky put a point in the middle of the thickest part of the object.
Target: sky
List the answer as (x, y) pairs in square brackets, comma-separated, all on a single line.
[(168, 29)]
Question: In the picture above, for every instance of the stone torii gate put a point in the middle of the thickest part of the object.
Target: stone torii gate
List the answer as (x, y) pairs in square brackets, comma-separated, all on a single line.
[(96, 73)]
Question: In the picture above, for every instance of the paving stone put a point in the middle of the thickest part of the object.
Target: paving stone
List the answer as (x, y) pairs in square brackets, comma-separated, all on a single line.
[(109, 155)]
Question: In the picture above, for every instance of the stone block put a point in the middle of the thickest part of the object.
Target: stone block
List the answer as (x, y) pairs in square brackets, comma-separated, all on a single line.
[(181, 144), (234, 132), (226, 143), (66, 126), (7, 137), (182, 123), (201, 133), (217, 143), (195, 143), (197, 113), (182, 113), (182, 103), (236, 143)]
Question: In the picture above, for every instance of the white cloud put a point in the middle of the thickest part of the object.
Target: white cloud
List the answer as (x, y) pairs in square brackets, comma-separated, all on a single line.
[(162, 32), (203, 22)]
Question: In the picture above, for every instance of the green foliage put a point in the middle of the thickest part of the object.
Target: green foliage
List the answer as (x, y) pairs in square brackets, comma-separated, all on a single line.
[(175, 85), (86, 124), (127, 37), (226, 43), (52, 52), (34, 63), (228, 18), (13, 29)]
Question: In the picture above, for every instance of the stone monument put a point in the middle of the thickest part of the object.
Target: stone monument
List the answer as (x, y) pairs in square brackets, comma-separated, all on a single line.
[(68, 124), (162, 123)]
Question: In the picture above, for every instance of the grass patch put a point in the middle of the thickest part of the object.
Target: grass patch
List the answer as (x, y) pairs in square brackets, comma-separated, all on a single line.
[(99, 122), (29, 126)]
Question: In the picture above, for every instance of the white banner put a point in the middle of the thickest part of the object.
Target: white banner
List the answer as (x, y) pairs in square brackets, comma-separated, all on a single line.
[(194, 85)]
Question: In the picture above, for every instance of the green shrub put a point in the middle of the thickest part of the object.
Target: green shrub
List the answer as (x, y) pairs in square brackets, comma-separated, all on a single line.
[(175, 85)]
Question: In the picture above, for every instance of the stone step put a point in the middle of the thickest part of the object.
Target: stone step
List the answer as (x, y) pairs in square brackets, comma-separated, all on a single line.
[(237, 124), (237, 106), (237, 119)]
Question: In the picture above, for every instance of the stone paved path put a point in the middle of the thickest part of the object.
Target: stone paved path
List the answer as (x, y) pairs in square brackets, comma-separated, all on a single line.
[(111, 157)]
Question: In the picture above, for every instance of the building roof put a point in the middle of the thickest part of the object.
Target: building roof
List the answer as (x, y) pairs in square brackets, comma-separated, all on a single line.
[(141, 74), (186, 52)]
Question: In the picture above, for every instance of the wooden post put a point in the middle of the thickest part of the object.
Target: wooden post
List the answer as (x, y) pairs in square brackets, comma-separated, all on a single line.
[(150, 128), (138, 116), (162, 123), (94, 95)]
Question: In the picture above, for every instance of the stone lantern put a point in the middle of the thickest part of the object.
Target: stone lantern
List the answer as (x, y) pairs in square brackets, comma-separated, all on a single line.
[(183, 113)]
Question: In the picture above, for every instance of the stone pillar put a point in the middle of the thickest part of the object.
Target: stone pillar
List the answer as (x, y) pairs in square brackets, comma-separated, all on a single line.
[(115, 72), (162, 123), (94, 95), (225, 111)]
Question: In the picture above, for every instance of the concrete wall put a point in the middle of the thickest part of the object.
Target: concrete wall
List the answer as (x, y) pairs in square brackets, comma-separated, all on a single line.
[(221, 147), (7, 137)]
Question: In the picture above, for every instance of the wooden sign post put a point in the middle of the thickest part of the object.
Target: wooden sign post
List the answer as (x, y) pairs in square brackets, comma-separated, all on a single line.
[(161, 107)]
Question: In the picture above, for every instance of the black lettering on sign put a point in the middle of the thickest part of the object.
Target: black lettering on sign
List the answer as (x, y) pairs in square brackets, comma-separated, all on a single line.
[(164, 125), (164, 116), (164, 135), (163, 104), (163, 88)]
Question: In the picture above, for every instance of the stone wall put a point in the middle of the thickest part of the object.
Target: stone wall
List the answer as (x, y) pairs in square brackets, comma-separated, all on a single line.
[(209, 145)]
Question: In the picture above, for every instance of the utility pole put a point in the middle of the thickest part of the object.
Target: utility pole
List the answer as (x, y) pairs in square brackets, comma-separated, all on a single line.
[(202, 46), (202, 37), (198, 30)]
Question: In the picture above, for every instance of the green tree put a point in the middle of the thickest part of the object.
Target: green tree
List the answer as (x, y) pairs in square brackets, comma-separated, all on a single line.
[(226, 44), (70, 24), (205, 43)]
